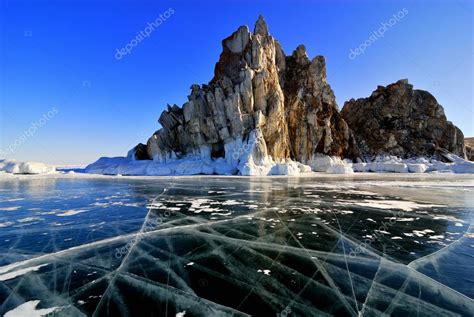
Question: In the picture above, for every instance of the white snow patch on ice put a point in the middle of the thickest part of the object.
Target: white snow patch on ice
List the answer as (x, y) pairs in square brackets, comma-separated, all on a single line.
[(231, 203), (198, 204), (346, 212), (10, 208), (405, 219), (422, 233), (11, 275), (221, 214), (71, 212), (29, 219), (5, 224), (29, 309), (392, 204)]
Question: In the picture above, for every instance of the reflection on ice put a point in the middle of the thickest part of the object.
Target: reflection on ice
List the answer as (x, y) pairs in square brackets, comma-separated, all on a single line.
[(237, 247)]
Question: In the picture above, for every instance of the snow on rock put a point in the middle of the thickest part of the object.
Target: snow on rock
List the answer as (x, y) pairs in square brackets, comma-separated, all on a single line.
[(254, 161), (320, 163), (247, 157), (417, 168), (186, 166), (340, 169), (330, 164), (14, 167), (359, 167), (393, 164)]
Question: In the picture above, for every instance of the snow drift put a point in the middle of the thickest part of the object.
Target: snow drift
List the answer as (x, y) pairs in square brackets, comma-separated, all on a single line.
[(14, 167)]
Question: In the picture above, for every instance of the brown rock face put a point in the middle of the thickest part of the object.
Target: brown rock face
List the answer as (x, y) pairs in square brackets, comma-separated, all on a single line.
[(469, 143), (398, 120), (257, 87), (141, 152), (314, 122)]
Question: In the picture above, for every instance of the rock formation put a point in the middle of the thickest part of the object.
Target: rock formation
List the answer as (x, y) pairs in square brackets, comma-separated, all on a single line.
[(398, 120), (140, 152), (284, 100), (314, 122), (265, 113), (469, 143)]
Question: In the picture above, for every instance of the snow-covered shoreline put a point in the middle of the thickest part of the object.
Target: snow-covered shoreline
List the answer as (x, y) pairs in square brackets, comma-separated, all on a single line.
[(330, 165), (247, 165), (249, 157)]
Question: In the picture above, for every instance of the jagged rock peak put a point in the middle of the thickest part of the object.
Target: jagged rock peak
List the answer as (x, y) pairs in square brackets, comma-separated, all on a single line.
[(256, 91), (260, 27), (238, 41), (300, 55)]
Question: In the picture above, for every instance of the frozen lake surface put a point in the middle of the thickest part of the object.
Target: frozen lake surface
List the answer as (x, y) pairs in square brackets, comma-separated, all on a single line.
[(351, 245)]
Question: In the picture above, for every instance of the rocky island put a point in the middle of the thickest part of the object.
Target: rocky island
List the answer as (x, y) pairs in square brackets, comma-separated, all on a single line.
[(266, 113)]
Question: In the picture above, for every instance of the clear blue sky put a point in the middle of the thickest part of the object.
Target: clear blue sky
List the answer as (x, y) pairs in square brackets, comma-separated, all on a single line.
[(61, 54)]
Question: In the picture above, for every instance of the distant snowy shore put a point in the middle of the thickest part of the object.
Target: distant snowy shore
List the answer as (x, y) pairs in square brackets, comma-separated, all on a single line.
[(15, 167)]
